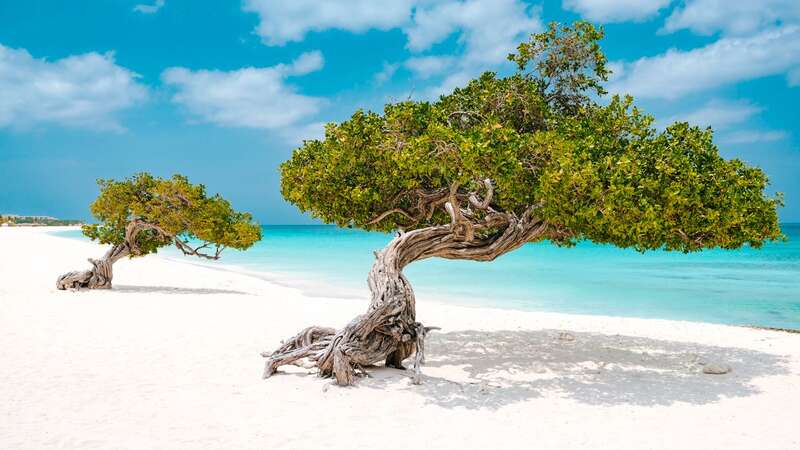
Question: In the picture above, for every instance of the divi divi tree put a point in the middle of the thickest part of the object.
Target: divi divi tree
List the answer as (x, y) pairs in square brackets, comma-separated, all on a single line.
[(539, 155), (140, 214)]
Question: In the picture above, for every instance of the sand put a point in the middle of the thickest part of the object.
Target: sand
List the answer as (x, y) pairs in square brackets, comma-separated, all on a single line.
[(170, 359)]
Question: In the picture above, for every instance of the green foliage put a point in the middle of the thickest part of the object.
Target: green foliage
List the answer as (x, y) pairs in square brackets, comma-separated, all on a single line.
[(613, 179), (181, 209), (592, 171), (567, 63)]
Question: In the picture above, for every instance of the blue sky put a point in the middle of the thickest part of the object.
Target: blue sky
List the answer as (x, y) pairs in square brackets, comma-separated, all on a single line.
[(223, 91)]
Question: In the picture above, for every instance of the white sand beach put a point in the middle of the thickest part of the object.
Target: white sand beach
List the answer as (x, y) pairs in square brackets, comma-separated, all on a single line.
[(170, 359)]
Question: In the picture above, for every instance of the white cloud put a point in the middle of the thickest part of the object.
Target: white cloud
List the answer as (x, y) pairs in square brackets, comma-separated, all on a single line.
[(83, 90), (729, 60), (751, 137), (428, 66), (250, 97), (609, 11), (616, 69), (718, 114), (305, 63), (456, 79), (296, 134), (732, 16), (284, 21), (386, 73), (149, 9), (723, 115), (487, 30)]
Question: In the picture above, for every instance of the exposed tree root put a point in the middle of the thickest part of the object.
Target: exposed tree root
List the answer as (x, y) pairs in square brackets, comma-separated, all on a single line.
[(99, 276), (388, 332)]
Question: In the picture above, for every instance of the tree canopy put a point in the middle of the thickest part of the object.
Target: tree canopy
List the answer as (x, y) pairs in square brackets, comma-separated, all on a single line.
[(544, 140), (168, 211)]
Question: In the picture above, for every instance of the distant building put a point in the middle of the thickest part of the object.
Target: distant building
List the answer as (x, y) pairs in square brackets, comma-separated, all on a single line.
[(35, 221)]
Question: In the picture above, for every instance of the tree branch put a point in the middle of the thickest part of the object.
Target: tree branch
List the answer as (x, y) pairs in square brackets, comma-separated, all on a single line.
[(487, 200), (136, 226), (462, 115), (386, 214), (462, 221), (189, 251)]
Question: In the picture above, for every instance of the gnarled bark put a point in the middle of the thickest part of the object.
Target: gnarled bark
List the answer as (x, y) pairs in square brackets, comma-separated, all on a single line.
[(100, 275), (388, 332)]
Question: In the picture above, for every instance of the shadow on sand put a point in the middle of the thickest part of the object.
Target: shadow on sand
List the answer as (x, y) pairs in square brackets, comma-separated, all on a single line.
[(172, 290), (477, 369)]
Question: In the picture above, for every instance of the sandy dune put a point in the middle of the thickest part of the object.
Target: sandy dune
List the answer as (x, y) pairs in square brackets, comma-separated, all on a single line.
[(170, 359)]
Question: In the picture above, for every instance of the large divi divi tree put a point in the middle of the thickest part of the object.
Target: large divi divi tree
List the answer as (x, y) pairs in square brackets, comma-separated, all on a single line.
[(139, 215), (538, 155)]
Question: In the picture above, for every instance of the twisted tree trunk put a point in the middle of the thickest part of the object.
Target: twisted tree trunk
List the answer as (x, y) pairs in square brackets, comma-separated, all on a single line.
[(101, 273), (99, 276), (388, 332)]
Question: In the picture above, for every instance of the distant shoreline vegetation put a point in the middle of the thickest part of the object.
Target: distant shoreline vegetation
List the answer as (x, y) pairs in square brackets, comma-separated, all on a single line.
[(35, 221)]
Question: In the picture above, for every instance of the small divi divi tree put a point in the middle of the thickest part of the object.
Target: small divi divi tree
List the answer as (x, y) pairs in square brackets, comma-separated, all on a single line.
[(139, 215), (502, 162)]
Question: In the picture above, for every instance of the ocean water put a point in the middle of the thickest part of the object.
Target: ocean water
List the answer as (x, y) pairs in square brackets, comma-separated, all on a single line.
[(743, 287)]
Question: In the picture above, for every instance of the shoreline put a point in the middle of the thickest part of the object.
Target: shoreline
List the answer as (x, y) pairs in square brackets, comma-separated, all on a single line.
[(328, 290), (173, 349), (781, 330), (255, 279)]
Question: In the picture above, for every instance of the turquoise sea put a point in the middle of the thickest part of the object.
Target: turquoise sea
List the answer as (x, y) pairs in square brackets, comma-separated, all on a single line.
[(743, 287)]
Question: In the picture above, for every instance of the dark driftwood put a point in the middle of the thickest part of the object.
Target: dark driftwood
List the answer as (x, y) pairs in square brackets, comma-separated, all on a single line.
[(388, 332)]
